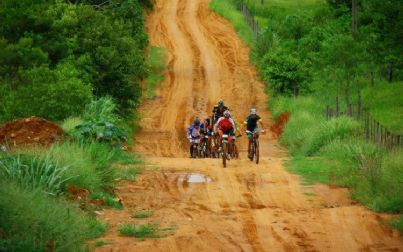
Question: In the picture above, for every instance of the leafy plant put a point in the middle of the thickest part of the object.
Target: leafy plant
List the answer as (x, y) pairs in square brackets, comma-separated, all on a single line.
[(99, 122), (101, 132), (34, 172)]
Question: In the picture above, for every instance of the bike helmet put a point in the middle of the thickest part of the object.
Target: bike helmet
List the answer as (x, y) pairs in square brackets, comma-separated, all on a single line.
[(253, 111), (221, 102), (227, 114), (196, 122)]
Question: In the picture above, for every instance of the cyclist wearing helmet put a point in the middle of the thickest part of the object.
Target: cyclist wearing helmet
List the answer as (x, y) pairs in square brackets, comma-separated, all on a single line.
[(251, 123), (218, 111), (225, 124), (194, 133)]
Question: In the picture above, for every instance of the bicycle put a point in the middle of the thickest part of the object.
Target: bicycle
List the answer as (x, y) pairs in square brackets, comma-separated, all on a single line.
[(196, 150), (205, 146), (224, 149), (254, 151), (234, 152)]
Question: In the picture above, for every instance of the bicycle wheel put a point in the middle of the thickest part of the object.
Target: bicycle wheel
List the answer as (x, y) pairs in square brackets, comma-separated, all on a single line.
[(224, 154), (235, 153), (194, 151), (252, 151), (257, 151)]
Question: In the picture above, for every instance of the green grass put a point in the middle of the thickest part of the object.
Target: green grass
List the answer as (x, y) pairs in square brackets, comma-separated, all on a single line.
[(69, 124), (312, 169), (157, 60), (140, 231), (228, 10), (397, 223), (108, 199), (32, 221), (128, 173), (101, 243), (143, 214), (33, 173), (385, 103)]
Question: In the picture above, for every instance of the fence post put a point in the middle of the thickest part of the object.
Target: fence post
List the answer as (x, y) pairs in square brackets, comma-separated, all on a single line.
[(359, 106)]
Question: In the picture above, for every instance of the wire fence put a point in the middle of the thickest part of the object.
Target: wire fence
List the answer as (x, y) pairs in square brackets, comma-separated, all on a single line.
[(250, 20), (373, 130)]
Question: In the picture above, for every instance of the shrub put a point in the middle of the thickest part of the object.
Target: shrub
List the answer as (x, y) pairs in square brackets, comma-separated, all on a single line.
[(103, 109), (285, 72), (42, 90)]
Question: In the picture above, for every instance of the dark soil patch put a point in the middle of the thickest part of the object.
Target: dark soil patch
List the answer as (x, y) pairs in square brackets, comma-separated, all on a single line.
[(278, 127), (29, 131)]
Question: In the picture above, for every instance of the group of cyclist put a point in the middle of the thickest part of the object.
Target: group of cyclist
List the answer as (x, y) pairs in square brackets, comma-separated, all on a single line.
[(220, 123)]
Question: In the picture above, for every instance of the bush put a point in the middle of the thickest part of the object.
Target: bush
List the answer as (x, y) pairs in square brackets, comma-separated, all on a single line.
[(42, 90), (103, 109), (285, 72)]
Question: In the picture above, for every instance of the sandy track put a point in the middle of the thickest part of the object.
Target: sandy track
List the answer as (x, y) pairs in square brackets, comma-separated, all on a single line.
[(245, 207)]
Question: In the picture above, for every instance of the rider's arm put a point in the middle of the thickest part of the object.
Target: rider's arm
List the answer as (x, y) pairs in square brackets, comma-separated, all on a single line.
[(233, 123), (260, 122)]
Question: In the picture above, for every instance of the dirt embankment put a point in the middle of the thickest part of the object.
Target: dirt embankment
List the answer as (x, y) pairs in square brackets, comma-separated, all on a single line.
[(29, 131), (245, 207)]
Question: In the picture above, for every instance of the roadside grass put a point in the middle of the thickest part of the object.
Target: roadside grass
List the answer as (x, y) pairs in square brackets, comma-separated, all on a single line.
[(143, 214), (227, 9), (158, 62), (151, 230), (101, 243), (108, 199), (33, 221), (312, 169), (128, 173), (397, 223), (385, 103)]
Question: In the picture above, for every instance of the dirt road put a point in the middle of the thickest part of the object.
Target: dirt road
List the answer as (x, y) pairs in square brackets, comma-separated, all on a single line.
[(244, 207)]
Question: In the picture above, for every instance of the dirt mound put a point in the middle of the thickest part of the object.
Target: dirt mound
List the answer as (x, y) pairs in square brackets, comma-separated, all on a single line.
[(29, 131), (278, 127)]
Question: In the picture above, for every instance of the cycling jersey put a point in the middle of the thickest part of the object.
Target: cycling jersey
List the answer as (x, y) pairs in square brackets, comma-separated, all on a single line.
[(218, 112), (225, 124), (251, 122), (193, 132)]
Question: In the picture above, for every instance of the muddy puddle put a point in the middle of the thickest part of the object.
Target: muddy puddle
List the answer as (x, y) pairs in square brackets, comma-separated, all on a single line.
[(188, 178)]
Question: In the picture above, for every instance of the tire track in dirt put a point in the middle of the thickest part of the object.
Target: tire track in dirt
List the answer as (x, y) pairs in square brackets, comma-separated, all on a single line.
[(246, 207)]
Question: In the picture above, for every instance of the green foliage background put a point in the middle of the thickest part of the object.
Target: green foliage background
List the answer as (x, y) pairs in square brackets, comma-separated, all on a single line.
[(56, 55)]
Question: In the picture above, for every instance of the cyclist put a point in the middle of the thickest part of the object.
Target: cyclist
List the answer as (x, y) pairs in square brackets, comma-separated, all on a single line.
[(218, 111), (226, 126), (194, 133), (251, 123)]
